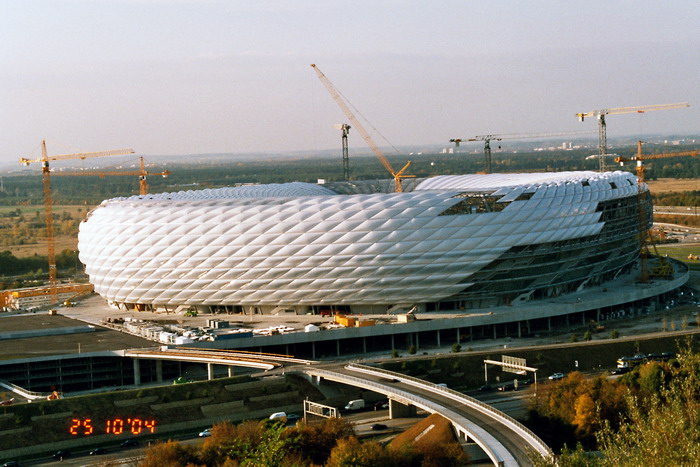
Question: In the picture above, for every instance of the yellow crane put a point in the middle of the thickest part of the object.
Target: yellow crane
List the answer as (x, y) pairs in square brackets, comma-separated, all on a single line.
[(602, 127), (488, 138), (48, 200), (333, 91), (142, 174), (664, 269)]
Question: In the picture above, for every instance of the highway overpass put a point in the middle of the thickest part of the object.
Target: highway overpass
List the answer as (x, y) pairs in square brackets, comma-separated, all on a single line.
[(506, 441)]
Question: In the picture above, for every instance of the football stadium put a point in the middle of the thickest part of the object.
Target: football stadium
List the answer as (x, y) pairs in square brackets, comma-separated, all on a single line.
[(447, 243)]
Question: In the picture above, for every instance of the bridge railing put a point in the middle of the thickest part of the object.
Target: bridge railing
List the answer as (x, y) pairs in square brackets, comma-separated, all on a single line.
[(535, 440), (418, 401), (27, 394)]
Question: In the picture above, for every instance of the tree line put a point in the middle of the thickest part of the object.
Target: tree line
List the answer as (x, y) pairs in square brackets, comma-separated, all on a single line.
[(15, 272), (646, 417), (27, 188), (331, 442)]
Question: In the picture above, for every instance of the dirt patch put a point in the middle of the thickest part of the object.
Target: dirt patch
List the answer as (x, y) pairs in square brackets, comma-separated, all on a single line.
[(434, 429), (673, 185)]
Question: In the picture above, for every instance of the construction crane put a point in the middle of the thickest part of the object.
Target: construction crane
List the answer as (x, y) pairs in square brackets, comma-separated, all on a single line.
[(664, 269), (48, 200), (488, 138), (142, 174), (335, 94), (345, 131), (600, 114)]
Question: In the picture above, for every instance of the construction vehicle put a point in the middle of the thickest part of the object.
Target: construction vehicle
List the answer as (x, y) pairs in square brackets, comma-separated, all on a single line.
[(335, 94), (48, 200), (142, 174), (663, 269), (602, 127), (488, 138)]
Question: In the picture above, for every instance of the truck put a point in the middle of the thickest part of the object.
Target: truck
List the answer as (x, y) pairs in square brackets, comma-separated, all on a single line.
[(355, 404)]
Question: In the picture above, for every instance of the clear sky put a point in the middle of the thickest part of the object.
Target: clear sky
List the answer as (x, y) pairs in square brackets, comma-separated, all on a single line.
[(230, 76)]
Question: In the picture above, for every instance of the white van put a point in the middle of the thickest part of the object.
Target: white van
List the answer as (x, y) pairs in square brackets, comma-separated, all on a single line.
[(356, 404)]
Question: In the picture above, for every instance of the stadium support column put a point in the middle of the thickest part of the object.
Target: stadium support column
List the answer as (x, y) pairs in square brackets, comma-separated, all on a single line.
[(364, 345), (313, 350), (438, 337), (137, 372), (337, 347), (159, 371), (230, 371), (210, 371)]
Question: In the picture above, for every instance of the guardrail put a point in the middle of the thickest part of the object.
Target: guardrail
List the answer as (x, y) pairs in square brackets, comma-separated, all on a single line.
[(204, 357), (524, 431), (31, 395), (484, 439)]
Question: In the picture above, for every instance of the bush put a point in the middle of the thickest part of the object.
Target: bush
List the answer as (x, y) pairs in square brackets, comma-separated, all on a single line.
[(412, 350), (456, 347)]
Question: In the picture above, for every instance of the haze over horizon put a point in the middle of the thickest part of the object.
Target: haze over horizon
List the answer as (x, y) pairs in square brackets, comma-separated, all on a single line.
[(209, 76)]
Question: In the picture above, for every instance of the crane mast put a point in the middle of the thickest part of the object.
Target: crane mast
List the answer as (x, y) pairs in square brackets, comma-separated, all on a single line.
[(488, 138), (48, 201), (142, 174), (602, 126), (664, 269), (365, 135), (345, 131)]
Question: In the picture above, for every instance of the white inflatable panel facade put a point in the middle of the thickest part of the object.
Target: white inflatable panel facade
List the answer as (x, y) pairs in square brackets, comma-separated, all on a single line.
[(304, 244)]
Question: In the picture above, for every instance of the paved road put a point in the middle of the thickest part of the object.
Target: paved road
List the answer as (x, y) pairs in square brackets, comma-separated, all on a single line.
[(510, 439)]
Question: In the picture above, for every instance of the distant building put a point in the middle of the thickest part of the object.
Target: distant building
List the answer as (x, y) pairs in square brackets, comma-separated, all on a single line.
[(446, 243)]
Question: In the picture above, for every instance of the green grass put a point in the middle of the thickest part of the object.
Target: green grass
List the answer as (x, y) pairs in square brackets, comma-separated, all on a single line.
[(680, 253)]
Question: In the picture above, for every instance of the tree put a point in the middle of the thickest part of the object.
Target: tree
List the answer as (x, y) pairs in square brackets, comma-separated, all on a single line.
[(585, 415), (315, 442), (171, 454), (659, 430), (351, 452)]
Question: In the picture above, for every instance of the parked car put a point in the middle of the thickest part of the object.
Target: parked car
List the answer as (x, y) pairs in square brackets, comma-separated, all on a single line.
[(378, 426), (556, 376), (10, 464), (293, 417), (98, 451), (507, 387), (620, 371), (486, 388), (205, 433), (128, 443)]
